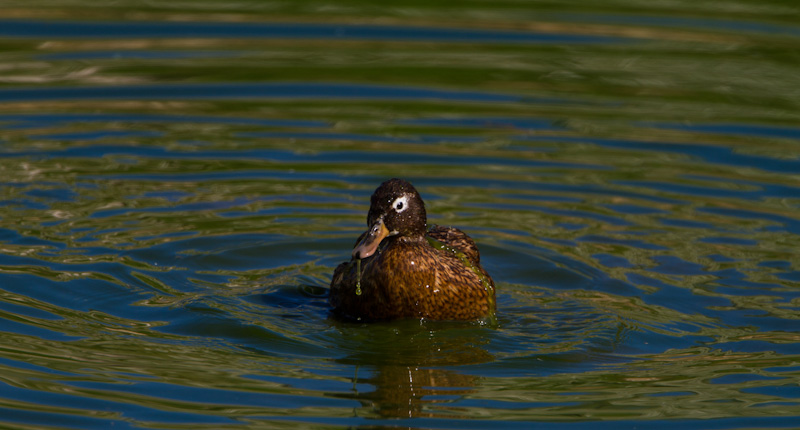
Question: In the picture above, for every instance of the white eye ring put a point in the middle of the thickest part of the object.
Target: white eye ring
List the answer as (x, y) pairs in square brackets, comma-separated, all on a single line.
[(400, 204)]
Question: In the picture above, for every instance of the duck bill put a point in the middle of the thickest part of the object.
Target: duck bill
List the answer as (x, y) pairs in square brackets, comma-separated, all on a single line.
[(372, 238)]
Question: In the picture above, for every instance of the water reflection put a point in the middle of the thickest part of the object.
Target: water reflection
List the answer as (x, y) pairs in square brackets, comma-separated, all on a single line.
[(411, 365), (175, 197), (283, 31), (407, 392), (254, 90)]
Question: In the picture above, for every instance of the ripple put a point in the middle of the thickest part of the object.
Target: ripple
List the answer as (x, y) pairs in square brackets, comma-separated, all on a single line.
[(177, 193), (276, 30), (260, 90)]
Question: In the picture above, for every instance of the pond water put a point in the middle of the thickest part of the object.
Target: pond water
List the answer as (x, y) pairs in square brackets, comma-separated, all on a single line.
[(179, 181)]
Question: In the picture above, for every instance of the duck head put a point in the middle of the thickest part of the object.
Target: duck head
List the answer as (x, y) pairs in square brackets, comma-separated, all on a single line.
[(396, 209)]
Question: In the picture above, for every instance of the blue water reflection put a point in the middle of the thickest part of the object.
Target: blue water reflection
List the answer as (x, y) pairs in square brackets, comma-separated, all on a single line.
[(254, 90), (172, 214), (277, 30)]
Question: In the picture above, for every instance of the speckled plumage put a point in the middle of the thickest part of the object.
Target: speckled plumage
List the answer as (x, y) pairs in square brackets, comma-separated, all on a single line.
[(403, 275)]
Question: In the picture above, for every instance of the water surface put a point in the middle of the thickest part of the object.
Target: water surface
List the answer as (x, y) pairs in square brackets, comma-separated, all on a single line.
[(178, 186)]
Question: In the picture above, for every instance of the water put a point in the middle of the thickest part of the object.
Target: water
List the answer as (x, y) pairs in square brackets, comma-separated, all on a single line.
[(179, 181)]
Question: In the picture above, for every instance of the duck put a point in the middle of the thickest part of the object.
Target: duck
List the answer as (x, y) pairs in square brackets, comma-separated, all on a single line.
[(401, 269)]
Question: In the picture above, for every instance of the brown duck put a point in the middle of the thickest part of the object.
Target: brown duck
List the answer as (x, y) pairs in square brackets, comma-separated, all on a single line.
[(400, 270)]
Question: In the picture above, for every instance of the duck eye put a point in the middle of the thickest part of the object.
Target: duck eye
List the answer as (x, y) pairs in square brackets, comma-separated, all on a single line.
[(400, 204)]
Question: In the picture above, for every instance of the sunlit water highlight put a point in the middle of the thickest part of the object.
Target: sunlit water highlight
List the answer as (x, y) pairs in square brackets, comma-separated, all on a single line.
[(175, 197)]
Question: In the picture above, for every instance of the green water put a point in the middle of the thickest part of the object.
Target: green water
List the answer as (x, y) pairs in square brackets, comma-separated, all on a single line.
[(179, 181)]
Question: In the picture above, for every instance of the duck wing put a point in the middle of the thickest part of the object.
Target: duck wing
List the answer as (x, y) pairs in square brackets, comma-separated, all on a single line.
[(458, 240)]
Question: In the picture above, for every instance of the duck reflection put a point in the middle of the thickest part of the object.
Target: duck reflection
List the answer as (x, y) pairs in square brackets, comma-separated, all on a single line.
[(413, 366), (411, 391)]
